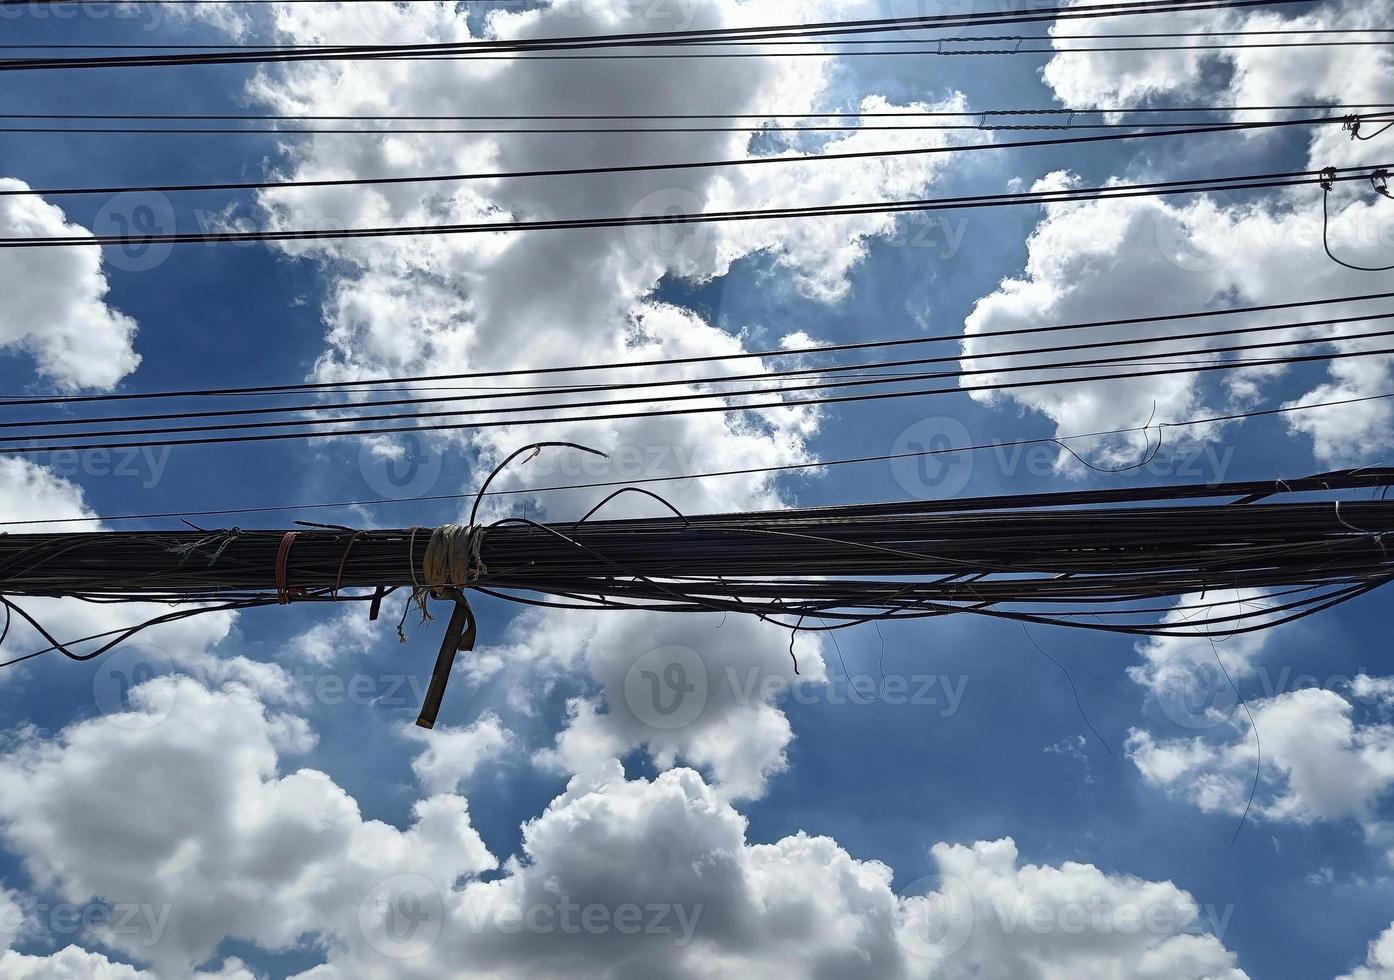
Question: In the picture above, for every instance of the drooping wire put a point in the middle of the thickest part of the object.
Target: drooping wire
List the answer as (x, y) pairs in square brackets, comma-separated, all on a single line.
[(1073, 689), (1379, 181)]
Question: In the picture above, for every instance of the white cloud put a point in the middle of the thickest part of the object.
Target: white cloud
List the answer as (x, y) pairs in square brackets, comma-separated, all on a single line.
[(1320, 763), (1032, 921), (1099, 260), (75, 963), (235, 848), (1228, 77), (1326, 752), (451, 755), (20, 919), (349, 632), (443, 304), (1193, 678), (1379, 963), (242, 850), (1126, 258), (55, 300), (692, 688)]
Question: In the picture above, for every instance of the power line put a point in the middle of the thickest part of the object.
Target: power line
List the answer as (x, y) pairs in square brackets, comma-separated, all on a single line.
[(862, 379), (745, 471), (299, 132), (563, 117), (1069, 195), (1015, 50), (1201, 130), (773, 353), (1129, 360), (629, 40), (701, 410), (954, 39)]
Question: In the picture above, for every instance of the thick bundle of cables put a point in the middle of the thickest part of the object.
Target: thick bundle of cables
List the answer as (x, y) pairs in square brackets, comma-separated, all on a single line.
[(1103, 560)]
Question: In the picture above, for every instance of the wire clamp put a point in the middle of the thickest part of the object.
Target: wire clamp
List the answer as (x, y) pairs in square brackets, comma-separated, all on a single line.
[(1327, 178), (1352, 125), (1379, 180)]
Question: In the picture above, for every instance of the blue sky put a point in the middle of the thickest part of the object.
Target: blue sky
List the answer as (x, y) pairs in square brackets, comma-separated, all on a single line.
[(988, 743)]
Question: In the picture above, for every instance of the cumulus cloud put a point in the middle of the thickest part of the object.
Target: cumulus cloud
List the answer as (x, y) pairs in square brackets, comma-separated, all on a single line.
[(689, 688), (451, 755), (1321, 762), (238, 849), (1327, 752), (1192, 677), (1379, 963), (75, 963), (1093, 261), (323, 644), (1099, 260), (55, 306), (657, 876), (446, 304), (20, 919)]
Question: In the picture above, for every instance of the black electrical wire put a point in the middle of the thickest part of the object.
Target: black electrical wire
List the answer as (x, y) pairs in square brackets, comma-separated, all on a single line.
[(1326, 239), (1107, 192), (575, 117), (706, 54), (1126, 360), (781, 352), (722, 408), (629, 40), (719, 474), (955, 39), (887, 154), (860, 372), (1051, 558), (613, 130)]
